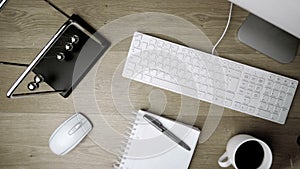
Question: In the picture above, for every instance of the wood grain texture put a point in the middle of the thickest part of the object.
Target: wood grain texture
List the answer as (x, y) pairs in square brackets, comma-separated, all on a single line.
[(26, 124)]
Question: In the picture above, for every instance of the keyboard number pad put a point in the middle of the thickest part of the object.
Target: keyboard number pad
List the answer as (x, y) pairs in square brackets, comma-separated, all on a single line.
[(276, 98), (269, 96)]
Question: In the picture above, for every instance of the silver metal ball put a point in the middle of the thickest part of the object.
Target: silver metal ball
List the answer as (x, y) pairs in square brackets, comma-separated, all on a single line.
[(69, 46), (60, 56), (38, 78), (32, 86), (75, 39)]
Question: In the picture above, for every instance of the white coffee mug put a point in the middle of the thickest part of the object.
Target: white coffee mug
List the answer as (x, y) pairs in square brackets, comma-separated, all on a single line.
[(229, 157)]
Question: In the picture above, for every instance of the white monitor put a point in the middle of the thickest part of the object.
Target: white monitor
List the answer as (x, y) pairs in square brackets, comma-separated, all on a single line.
[(283, 13), (258, 30)]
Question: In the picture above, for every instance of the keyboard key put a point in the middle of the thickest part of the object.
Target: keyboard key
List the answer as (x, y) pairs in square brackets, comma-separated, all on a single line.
[(239, 67), (235, 66), (279, 80), (282, 116), (195, 69), (271, 108), (218, 100), (272, 100), (152, 41), (169, 78), (275, 117), (246, 100), (241, 91), (263, 106), (269, 84), (144, 45), (130, 65), (174, 48), (152, 72), (220, 85), (265, 98), (291, 91), (284, 88), (272, 77), (146, 78), (264, 113), (258, 88), (145, 62), (180, 57), (237, 105), (244, 107), (187, 59), (251, 87), (210, 90), (202, 87), (248, 94), (220, 93), (188, 83), (286, 82), (209, 97), (275, 93), (254, 102), (253, 79), (138, 76), (293, 84), (151, 47), (246, 77), (136, 43), (209, 81), (277, 86), (279, 103), (229, 95), (277, 110), (276, 114), (268, 92), (243, 84), (282, 95), (164, 84), (139, 68), (201, 94), (232, 84), (136, 51), (228, 102), (203, 72), (288, 101), (255, 96), (166, 46), (261, 81), (233, 73), (251, 110), (138, 36)]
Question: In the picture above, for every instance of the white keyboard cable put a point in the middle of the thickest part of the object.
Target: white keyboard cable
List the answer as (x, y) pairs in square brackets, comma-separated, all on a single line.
[(225, 30)]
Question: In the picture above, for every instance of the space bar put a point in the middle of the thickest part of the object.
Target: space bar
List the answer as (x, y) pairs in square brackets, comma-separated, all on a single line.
[(174, 87)]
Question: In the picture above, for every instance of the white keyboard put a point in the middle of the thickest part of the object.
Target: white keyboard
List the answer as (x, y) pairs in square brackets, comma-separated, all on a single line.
[(209, 78)]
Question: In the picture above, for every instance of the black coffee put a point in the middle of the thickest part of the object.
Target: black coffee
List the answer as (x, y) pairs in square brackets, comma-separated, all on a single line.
[(249, 155)]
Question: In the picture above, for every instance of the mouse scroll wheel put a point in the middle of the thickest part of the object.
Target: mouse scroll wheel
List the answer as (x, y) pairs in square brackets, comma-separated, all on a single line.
[(75, 128)]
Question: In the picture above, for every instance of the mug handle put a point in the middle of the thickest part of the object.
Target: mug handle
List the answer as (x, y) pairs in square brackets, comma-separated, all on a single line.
[(223, 163)]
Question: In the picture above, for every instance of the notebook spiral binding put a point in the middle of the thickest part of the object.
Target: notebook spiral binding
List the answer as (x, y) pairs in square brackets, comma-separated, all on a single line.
[(122, 155)]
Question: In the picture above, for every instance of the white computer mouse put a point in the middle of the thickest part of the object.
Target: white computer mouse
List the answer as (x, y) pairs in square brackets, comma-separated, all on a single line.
[(69, 134)]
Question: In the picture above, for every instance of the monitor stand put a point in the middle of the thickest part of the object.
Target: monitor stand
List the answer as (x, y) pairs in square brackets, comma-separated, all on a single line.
[(268, 39)]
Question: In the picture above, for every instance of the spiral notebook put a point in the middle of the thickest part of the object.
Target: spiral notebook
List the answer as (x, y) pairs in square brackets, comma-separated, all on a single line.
[(149, 148)]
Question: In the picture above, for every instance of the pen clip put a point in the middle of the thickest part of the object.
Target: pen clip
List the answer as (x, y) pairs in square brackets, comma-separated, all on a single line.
[(154, 122)]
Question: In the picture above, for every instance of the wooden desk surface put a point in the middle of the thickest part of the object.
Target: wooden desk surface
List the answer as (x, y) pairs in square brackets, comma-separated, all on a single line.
[(26, 124)]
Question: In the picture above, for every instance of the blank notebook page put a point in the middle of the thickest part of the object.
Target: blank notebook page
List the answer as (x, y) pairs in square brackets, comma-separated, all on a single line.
[(148, 148)]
